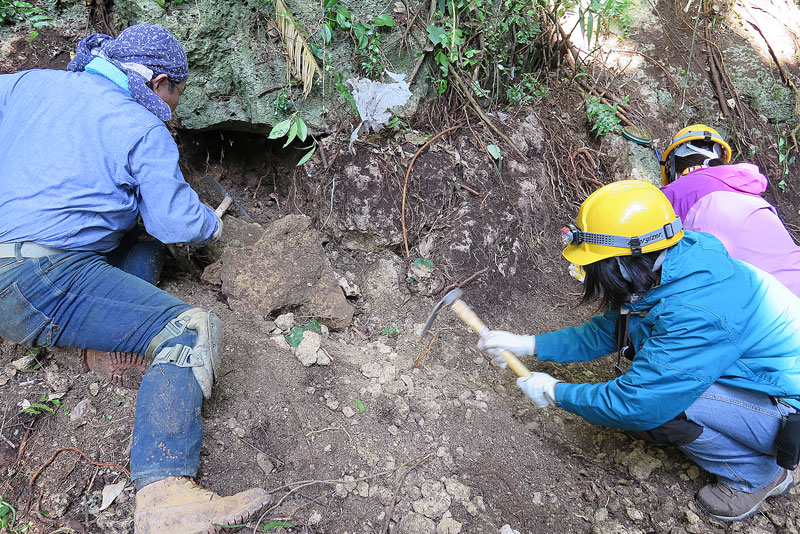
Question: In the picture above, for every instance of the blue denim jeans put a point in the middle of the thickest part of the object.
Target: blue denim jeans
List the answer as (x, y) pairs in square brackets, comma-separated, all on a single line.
[(738, 440), (76, 299), (140, 255)]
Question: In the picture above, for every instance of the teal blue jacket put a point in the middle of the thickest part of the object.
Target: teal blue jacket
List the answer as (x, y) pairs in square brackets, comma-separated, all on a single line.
[(712, 319)]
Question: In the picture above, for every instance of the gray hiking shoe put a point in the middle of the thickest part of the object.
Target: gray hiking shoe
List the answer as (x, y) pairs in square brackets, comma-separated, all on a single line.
[(727, 504)]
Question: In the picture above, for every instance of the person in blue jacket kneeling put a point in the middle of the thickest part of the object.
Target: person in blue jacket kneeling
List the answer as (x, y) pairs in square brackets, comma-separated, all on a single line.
[(714, 345)]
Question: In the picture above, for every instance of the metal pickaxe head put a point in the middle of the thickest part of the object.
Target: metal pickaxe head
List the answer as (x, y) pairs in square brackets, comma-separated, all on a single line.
[(448, 300), (225, 195)]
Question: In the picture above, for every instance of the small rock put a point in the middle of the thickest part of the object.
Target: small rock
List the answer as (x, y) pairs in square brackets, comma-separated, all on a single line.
[(57, 381), (340, 491), (239, 432), (363, 488), (448, 525), (348, 411), (693, 472), (315, 518), (264, 463), (412, 523), (94, 389), (506, 529), (285, 321), (393, 430), (25, 362), (332, 404), (601, 514), (692, 517), (634, 514), (456, 489), (280, 342), (640, 464), (323, 358), (308, 348)]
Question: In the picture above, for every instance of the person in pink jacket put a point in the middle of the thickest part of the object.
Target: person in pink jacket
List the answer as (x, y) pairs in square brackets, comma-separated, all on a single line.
[(710, 195)]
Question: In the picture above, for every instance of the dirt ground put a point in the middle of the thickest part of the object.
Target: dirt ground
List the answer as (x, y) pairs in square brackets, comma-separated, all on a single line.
[(390, 433)]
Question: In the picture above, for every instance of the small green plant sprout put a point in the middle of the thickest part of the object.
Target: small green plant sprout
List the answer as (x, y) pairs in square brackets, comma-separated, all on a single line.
[(784, 159), (270, 525), (603, 117), (360, 406), (294, 128), (8, 519), (368, 43), (48, 402), (390, 331), (295, 335)]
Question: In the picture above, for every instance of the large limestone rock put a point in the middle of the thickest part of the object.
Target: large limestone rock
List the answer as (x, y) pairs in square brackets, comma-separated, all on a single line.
[(285, 270)]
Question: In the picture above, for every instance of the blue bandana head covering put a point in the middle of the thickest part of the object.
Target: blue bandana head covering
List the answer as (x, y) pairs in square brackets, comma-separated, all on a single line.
[(141, 52)]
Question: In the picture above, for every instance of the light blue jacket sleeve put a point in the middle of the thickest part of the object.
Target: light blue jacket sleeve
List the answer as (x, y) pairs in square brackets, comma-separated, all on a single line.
[(680, 359), (170, 208), (579, 344)]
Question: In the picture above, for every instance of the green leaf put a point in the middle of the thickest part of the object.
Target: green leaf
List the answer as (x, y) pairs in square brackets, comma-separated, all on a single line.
[(269, 525), (330, 4), (292, 133), (436, 34), (494, 150), (280, 129), (782, 185), (302, 129), (307, 157), (295, 335), (34, 34), (327, 32), (360, 406), (343, 17), (391, 331), (384, 20), (424, 262)]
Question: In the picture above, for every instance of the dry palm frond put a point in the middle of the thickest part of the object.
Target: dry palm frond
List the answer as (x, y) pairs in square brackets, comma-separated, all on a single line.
[(301, 59)]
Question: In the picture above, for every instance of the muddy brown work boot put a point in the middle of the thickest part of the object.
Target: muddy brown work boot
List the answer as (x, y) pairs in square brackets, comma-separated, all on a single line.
[(124, 369), (727, 504), (176, 505)]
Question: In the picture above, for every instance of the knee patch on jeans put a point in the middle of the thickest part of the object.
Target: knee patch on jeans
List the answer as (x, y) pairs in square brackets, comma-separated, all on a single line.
[(679, 431), (200, 351)]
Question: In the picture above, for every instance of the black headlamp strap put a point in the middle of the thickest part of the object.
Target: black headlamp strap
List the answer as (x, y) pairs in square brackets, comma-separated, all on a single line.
[(635, 243)]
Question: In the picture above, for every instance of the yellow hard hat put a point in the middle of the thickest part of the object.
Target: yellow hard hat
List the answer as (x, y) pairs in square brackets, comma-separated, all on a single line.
[(694, 132), (624, 218)]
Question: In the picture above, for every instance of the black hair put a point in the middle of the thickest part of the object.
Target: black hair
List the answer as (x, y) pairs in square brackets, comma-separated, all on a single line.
[(692, 160), (605, 283)]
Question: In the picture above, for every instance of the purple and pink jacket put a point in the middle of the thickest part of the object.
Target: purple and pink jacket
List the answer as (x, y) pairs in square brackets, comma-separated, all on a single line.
[(726, 201)]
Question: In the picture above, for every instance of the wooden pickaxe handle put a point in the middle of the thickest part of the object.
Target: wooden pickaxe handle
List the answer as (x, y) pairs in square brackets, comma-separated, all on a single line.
[(466, 314), (223, 206)]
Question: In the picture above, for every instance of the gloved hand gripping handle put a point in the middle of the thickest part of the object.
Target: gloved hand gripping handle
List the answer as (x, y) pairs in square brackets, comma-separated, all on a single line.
[(469, 317)]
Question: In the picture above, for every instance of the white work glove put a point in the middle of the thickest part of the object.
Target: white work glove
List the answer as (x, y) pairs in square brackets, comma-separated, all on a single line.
[(496, 341), (540, 387)]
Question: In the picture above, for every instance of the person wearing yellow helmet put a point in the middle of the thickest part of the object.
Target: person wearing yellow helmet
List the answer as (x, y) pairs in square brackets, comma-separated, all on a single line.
[(725, 200), (713, 344)]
